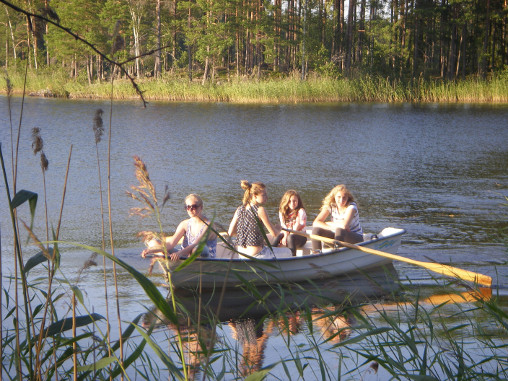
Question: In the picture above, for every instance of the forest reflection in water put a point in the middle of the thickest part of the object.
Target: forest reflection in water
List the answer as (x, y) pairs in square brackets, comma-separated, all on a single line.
[(326, 337)]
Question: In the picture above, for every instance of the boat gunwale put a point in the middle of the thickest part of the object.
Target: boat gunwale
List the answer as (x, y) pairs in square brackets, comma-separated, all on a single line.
[(399, 231)]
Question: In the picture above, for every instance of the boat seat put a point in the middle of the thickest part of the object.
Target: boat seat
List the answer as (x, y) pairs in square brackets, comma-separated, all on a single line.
[(308, 245), (305, 250)]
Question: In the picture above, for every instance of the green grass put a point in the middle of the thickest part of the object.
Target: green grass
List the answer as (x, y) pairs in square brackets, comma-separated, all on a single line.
[(284, 90)]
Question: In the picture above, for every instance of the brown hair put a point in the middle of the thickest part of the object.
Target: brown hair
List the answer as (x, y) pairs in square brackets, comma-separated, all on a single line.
[(284, 203), (251, 190)]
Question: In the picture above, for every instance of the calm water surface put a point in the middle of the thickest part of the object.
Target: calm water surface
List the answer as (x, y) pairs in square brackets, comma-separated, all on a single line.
[(438, 171)]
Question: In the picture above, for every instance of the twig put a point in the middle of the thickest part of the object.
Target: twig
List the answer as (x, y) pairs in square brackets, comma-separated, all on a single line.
[(81, 39)]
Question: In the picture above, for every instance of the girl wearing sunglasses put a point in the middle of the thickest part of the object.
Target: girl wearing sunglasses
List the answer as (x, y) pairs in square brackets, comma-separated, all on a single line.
[(192, 230)]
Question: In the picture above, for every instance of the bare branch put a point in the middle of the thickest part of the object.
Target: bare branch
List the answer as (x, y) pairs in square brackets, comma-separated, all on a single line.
[(81, 39)]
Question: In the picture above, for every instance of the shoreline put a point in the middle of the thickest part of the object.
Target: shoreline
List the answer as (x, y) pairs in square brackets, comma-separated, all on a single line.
[(258, 101), (268, 91)]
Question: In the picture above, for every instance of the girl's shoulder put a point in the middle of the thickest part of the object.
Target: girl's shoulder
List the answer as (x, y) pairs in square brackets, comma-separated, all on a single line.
[(182, 226), (258, 208), (353, 207)]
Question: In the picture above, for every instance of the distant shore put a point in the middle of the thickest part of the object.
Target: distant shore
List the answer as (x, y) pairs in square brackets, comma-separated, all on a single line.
[(284, 90)]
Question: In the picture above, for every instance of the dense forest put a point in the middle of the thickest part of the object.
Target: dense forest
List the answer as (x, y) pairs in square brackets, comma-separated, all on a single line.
[(396, 39)]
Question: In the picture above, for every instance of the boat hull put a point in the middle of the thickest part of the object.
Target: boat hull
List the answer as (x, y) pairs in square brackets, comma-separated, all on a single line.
[(212, 274)]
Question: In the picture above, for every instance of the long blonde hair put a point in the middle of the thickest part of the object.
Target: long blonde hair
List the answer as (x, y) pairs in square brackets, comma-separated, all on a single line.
[(329, 200), (251, 190), (284, 203)]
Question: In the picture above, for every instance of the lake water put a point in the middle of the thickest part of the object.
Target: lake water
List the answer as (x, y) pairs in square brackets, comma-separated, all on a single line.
[(439, 171)]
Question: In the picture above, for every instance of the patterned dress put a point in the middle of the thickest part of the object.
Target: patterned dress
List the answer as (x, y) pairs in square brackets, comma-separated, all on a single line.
[(189, 239), (248, 233)]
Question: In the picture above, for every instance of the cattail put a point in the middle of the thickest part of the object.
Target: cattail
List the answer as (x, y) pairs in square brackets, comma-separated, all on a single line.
[(37, 146), (44, 161), (8, 86), (37, 143), (98, 125)]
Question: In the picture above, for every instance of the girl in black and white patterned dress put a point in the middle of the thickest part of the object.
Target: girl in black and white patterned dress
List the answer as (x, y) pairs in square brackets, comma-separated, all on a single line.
[(245, 226)]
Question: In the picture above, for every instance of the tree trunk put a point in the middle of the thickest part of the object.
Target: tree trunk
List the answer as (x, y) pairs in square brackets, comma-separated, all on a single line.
[(361, 31), (89, 69), (12, 35), (207, 68), (157, 66), (237, 41), (504, 37), (452, 56), (303, 38), (483, 61), (48, 61), (442, 41), (277, 35), (136, 21), (336, 27), (189, 49), (349, 35), (174, 34)]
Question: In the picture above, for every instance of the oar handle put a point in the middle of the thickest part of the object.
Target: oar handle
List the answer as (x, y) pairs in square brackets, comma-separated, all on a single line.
[(447, 270)]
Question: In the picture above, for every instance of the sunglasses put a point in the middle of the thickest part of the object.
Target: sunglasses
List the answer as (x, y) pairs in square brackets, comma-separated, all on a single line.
[(192, 207)]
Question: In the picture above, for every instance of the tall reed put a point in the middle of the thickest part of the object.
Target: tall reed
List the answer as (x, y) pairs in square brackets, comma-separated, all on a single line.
[(289, 89)]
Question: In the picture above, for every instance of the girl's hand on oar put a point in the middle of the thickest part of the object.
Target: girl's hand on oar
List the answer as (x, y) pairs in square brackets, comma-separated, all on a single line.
[(148, 253)]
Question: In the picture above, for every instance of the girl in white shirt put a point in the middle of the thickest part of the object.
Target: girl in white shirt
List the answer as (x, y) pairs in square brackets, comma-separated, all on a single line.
[(345, 224)]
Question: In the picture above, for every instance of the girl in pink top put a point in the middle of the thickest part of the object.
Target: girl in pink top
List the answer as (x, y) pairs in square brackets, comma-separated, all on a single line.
[(292, 216)]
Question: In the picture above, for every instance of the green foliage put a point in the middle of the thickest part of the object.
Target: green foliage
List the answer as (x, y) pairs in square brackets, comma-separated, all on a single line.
[(442, 39)]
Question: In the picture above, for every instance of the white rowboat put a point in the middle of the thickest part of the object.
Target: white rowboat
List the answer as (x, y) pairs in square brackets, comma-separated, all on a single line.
[(229, 270)]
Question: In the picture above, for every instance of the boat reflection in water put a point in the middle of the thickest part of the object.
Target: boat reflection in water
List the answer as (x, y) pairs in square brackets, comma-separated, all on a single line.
[(259, 300), (244, 337)]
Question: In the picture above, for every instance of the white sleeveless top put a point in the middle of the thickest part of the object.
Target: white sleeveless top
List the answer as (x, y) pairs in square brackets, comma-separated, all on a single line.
[(354, 225)]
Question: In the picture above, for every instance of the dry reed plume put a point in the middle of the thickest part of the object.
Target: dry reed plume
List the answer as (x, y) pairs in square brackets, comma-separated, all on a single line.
[(145, 192)]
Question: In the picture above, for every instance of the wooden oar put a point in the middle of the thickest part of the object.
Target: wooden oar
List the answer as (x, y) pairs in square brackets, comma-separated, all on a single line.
[(439, 268)]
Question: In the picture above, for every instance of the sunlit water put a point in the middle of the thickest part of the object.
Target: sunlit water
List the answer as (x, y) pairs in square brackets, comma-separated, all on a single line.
[(439, 171)]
